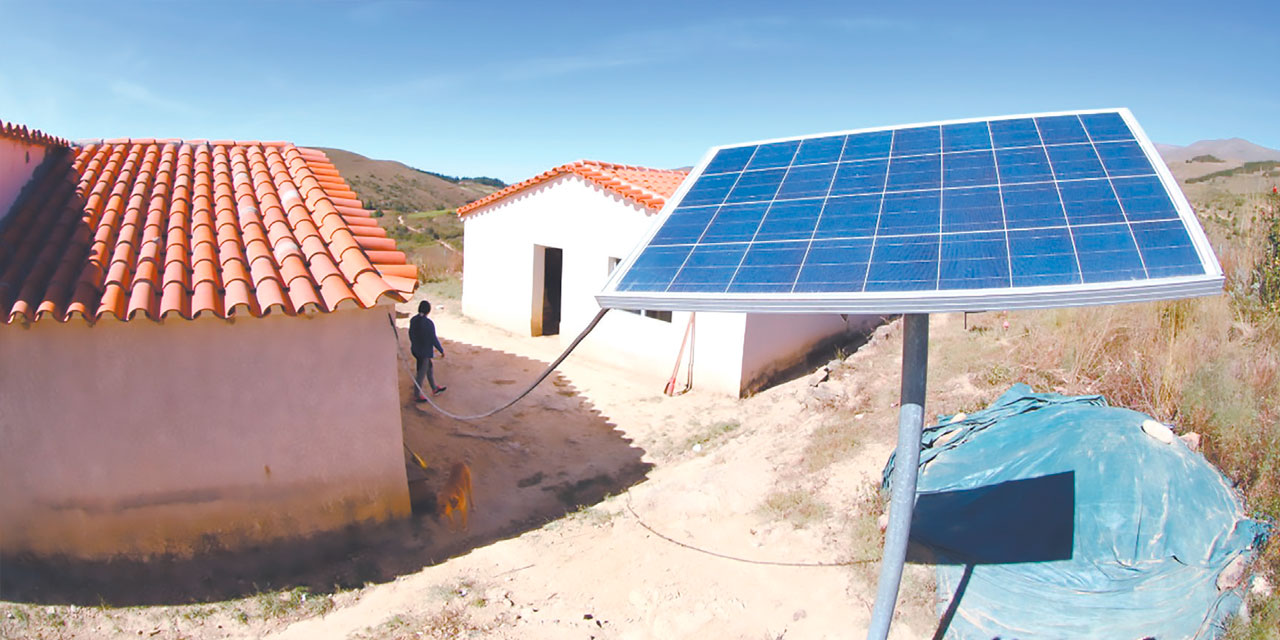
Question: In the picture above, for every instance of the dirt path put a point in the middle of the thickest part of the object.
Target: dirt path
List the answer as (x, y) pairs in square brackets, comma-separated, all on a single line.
[(685, 547)]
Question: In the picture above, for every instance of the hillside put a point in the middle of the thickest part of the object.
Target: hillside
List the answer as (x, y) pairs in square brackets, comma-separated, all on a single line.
[(394, 186), (1205, 157)]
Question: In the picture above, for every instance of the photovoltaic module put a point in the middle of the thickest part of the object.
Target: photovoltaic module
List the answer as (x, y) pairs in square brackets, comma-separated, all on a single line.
[(1048, 210)]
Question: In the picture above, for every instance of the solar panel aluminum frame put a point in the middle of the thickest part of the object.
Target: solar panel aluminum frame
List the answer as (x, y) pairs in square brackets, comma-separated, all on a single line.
[(930, 301)]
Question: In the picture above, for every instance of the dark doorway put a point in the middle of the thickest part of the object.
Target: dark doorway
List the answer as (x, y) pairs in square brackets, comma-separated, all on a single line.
[(552, 265)]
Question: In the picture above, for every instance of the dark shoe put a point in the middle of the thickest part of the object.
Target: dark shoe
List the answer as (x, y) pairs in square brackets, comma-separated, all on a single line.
[(420, 399), (438, 391)]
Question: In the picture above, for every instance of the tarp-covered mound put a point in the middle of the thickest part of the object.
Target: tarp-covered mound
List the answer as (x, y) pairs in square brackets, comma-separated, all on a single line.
[(1058, 517)]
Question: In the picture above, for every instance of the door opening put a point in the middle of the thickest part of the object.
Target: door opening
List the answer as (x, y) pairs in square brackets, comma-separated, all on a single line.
[(552, 267)]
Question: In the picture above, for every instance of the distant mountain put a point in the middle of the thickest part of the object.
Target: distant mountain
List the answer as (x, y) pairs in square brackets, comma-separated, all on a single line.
[(394, 186), (1234, 150)]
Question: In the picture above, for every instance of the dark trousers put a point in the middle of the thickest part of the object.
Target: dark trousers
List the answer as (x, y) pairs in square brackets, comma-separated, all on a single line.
[(424, 372)]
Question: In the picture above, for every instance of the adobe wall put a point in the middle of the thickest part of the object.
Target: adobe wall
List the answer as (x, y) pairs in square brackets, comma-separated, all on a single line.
[(137, 438), (18, 162)]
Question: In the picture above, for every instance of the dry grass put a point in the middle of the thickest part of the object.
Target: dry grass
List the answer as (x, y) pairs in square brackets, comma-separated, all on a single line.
[(797, 506)]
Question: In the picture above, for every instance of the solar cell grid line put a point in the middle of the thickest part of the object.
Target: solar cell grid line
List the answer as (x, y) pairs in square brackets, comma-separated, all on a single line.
[(1075, 252), (1004, 215), (1128, 223), (1005, 212)]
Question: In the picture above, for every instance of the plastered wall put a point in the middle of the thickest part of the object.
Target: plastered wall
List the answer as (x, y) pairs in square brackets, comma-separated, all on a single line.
[(18, 162), (135, 438)]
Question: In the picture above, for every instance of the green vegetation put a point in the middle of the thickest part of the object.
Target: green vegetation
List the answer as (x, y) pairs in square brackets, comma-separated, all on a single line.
[(1248, 167), (797, 506), (1206, 158), (703, 437), (446, 624)]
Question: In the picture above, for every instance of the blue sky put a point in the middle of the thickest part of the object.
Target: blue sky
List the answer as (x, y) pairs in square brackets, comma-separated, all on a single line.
[(511, 89)]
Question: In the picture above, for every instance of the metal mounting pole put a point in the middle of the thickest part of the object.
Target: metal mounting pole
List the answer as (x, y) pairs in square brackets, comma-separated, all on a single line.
[(915, 366)]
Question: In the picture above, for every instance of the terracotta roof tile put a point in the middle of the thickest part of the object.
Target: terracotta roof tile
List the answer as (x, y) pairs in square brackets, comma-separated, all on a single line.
[(644, 186), (21, 133), (167, 229)]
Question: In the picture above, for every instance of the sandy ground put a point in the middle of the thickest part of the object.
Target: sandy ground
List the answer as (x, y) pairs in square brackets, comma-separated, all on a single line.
[(604, 510), (676, 544)]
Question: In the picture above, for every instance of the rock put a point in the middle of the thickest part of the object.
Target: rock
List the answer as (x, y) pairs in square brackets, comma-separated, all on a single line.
[(1231, 576), (883, 522), (799, 615), (959, 416), (833, 365), (1261, 587), (1191, 439), (1158, 431), (817, 377)]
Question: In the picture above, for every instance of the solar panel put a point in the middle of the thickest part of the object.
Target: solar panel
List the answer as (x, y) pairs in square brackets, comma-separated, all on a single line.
[(1045, 210)]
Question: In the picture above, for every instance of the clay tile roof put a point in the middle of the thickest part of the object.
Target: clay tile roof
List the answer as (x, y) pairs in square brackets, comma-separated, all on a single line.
[(21, 133), (166, 229), (647, 187)]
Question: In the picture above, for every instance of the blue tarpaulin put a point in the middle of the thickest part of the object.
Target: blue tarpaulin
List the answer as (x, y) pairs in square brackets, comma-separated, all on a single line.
[(1053, 516)]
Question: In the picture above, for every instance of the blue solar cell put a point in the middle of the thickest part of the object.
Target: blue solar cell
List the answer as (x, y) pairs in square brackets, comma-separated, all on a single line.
[(867, 146), (1103, 127), (769, 267), (771, 156), (974, 261), (754, 186), (807, 181), (1144, 199), (912, 212), (1166, 249), (1090, 202), (1049, 202), (710, 189), (1020, 132), (916, 172), (1124, 159), (1075, 161), (970, 169), (1032, 205), (1023, 165), (735, 222), (917, 141), (820, 150), (860, 177), (1042, 257), (968, 136), (790, 220), (835, 265), (734, 159), (1107, 253), (849, 217), (709, 268), (1061, 129), (684, 226), (654, 268), (905, 263), (971, 210)]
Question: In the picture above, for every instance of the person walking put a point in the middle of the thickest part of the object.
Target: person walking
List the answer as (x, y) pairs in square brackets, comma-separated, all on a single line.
[(424, 343)]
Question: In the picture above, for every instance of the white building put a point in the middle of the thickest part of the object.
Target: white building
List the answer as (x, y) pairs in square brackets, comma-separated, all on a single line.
[(537, 252)]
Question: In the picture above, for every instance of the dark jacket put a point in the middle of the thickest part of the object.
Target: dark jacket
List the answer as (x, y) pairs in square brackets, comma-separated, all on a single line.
[(422, 337)]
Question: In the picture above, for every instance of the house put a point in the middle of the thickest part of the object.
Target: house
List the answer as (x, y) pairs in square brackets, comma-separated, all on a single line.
[(537, 252), (195, 347)]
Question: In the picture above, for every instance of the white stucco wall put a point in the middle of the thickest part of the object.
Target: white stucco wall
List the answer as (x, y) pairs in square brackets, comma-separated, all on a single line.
[(776, 341), (502, 278), (18, 161), (136, 438)]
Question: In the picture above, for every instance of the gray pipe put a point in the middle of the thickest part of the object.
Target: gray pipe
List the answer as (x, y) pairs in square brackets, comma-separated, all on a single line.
[(915, 367)]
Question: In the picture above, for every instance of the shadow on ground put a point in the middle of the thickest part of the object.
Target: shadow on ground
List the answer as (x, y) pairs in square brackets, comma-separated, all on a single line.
[(548, 456)]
